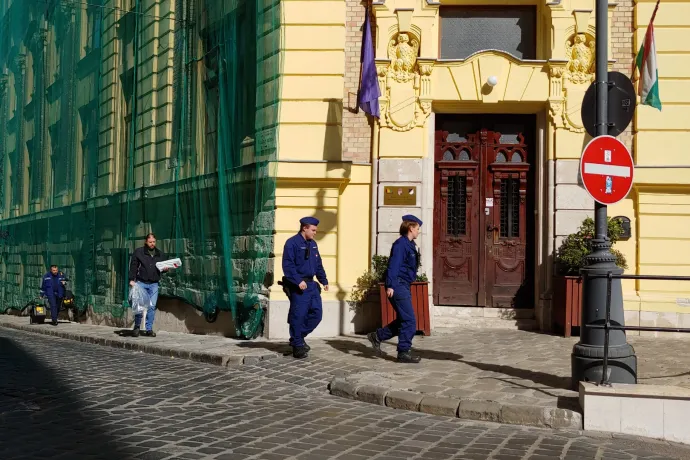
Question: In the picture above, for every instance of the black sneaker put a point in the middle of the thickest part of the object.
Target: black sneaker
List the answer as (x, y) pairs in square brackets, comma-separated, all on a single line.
[(307, 347), (408, 358), (135, 332), (150, 334), (54, 322), (300, 352), (375, 342)]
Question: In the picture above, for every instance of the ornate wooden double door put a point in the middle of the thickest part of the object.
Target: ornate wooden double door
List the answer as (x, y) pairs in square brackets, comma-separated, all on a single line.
[(484, 219)]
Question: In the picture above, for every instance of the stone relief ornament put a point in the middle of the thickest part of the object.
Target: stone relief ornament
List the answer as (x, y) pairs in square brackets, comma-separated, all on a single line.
[(569, 82), (580, 54), (405, 82)]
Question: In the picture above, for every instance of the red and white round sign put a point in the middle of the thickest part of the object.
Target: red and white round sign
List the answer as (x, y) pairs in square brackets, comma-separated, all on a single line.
[(607, 169)]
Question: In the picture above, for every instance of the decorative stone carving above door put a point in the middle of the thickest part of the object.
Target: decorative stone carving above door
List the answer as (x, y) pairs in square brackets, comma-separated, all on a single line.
[(405, 82), (570, 82)]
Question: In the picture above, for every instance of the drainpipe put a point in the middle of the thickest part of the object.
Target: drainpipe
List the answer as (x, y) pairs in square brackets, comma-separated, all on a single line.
[(374, 190)]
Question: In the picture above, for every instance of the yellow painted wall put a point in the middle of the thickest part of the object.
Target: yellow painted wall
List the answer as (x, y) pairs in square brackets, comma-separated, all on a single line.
[(661, 202), (338, 195), (312, 82), (312, 179)]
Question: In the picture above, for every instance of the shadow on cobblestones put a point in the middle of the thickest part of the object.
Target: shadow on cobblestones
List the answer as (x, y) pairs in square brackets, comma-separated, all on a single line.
[(364, 351), (540, 378), (41, 417), (283, 348)]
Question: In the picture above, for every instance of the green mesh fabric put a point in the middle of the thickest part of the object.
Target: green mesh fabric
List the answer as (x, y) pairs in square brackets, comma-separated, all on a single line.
[(121, 117)]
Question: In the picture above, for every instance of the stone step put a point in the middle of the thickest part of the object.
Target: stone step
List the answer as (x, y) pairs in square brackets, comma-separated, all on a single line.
[(484, 318), (486, 323)]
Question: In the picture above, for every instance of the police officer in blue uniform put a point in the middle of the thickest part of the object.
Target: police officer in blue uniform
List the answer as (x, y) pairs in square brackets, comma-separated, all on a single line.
[(301, 263), (53, 288), (402, 271)]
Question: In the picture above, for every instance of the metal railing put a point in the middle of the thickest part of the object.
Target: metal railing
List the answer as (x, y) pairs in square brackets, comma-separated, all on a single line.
[(607, 327)]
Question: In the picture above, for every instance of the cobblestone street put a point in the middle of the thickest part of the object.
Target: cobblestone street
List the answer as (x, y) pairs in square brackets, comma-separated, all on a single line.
[(62, 399), (505, 376)]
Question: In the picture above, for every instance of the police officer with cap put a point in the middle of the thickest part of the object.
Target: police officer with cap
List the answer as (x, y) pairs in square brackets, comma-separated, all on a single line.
[(53, 289), (301, 263), (402, 271)]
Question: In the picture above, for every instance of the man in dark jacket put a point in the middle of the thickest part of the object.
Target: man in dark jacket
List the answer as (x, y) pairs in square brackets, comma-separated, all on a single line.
[(53, 288), (144, 273)]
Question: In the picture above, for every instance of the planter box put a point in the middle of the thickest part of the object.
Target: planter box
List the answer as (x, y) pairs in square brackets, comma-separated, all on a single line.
[(567, 303), (420, 305)]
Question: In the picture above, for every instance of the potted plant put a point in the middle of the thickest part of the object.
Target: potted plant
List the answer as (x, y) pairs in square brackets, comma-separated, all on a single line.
[(366, 285), (570, 258)]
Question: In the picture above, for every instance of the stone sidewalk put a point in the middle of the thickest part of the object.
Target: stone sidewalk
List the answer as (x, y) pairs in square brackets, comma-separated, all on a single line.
[(505, 376), (208, 349)]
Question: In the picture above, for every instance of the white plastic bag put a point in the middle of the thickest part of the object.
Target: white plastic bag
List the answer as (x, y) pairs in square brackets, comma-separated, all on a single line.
[(139, 300)]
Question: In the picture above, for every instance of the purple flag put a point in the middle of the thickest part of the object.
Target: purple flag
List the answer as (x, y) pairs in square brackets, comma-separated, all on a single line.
[(369, 91)]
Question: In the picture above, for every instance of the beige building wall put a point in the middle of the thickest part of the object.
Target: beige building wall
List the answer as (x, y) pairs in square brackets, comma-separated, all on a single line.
[(322, 172), (660, 203)]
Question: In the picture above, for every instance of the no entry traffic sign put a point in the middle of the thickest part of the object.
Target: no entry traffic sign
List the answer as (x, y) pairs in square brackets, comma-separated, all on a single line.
[(607, 169)]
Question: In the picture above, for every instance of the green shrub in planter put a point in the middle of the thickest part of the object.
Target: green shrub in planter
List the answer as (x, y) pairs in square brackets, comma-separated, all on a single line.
[(368, 283), (572, 253)]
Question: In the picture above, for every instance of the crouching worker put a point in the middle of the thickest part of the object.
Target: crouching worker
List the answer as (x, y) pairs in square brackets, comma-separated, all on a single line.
[(301, 263)]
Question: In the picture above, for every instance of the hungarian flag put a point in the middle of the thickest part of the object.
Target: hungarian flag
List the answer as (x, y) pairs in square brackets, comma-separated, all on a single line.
[(648, 86)]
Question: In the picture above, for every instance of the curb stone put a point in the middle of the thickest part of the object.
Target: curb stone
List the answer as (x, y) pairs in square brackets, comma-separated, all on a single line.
[(465, 408), (216, 359), (439, 406), (372, 394), (406, 400)]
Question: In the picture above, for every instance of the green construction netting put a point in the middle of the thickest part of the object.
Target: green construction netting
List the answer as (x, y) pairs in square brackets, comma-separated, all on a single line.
[(120, 117)]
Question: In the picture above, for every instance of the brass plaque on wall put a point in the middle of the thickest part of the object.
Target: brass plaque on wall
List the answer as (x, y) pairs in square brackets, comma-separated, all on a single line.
[(400, 195)]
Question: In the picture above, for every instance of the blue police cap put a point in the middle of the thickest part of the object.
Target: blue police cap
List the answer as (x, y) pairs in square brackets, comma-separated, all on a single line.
[(411, 218), (309, 221)]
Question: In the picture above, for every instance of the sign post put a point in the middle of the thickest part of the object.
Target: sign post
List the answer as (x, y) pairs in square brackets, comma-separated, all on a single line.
[(606, 181)]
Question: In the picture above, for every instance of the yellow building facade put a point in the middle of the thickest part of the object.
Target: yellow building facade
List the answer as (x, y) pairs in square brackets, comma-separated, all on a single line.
[(219, 124), (481, 125)]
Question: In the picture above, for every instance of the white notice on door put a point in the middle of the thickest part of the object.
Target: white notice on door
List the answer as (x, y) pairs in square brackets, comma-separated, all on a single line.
[(489, 202)]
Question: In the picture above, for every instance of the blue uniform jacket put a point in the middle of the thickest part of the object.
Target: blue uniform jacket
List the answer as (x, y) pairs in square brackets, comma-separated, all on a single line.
[(402, 264), (47, 288), (301, 260)]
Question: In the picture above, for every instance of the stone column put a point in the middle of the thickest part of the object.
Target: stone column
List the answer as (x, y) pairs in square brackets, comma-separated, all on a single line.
[(4, 78), (19, 165), (38, 151)]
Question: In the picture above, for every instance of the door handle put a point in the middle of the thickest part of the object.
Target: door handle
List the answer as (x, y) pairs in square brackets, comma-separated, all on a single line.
[(491, 228)]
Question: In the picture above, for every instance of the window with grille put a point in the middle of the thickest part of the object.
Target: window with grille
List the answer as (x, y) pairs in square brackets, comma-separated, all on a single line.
[(468, 30), (510, 208), (457, 206)]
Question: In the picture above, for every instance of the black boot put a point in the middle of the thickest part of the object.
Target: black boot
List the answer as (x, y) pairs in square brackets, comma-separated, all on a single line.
[(300, 352), (408, 358), (135, 332), (307, 347), (150, 334), (54, 322), (375, 342)]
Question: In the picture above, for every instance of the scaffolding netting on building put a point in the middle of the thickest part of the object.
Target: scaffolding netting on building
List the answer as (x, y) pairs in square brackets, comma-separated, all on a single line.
[(123, 117)]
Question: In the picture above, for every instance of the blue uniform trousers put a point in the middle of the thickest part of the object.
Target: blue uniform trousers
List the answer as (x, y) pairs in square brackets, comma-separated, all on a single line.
[(54, 303), (404, 325), (305, 312)]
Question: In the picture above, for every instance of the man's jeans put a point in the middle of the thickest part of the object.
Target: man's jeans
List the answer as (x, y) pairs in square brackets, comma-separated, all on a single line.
[(152, 291)]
